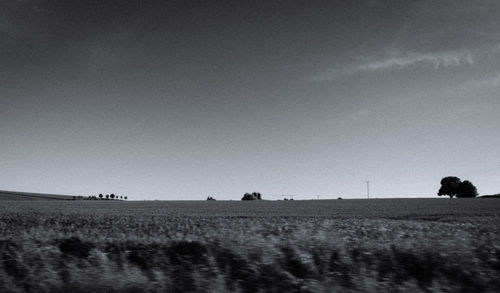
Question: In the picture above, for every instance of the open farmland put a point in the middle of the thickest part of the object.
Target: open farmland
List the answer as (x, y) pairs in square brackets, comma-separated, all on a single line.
[(397, 245)]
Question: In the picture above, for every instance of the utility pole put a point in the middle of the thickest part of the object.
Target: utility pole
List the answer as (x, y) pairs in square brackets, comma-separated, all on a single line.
[(368, 189)]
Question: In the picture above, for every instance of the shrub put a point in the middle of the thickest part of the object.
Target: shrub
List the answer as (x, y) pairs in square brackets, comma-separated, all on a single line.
[(252, 196)]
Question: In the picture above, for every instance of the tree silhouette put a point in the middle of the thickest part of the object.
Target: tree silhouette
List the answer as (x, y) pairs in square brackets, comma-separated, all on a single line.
[(252, 196), (107, 196), (100, 195), (449, 186), (466, 189), (247, 196), (112, 196)]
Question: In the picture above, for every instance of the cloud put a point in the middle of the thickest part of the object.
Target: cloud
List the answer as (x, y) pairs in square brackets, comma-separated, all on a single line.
[(401, 61), (448, 59)]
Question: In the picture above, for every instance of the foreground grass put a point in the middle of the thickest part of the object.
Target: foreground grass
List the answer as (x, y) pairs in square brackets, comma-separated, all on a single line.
[(310, 246)]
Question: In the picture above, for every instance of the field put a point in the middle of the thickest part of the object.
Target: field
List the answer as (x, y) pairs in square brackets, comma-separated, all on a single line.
[(385, 245)]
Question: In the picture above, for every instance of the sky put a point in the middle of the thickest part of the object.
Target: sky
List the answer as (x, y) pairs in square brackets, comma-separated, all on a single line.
[(176, 100)]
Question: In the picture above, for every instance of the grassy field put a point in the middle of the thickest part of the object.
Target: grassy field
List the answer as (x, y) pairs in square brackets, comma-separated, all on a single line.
[(386, 245)]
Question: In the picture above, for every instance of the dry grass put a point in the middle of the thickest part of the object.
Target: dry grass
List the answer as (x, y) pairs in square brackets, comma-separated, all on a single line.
[(435, 245)]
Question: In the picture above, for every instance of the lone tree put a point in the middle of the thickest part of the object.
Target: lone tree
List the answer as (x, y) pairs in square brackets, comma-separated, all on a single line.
[(252, 196), (467, 189), (453, 186), (449, 186)]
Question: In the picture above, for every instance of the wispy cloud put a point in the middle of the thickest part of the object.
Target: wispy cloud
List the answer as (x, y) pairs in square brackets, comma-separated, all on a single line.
[(402, 61), (449, 59)]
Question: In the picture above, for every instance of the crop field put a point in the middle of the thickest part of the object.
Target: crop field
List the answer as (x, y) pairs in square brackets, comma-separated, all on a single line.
[(384, 245)]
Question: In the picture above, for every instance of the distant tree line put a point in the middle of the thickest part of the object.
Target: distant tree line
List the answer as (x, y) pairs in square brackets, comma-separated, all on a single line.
[(100, 197), (454, 187)]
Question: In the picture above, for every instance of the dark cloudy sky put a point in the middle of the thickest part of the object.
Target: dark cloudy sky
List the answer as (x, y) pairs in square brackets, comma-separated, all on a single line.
[(186, 99)]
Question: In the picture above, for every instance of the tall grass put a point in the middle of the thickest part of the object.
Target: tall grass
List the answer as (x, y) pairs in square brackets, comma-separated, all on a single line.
[(94, 248)]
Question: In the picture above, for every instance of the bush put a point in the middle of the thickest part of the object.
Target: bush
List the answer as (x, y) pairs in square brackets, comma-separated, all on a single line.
[(252, 196)]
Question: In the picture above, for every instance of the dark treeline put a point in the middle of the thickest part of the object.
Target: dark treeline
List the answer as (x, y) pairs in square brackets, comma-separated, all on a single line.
[(111, 196)]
